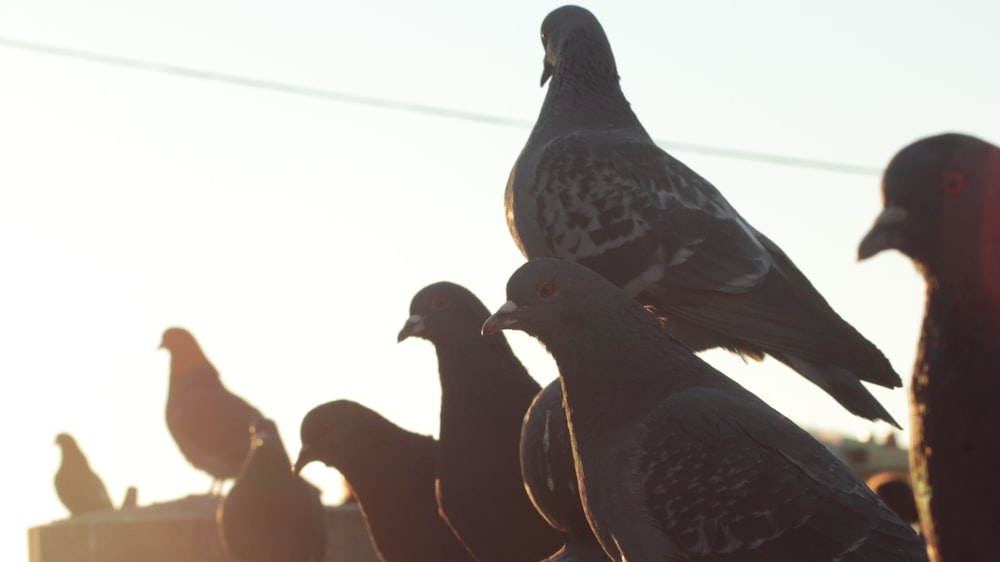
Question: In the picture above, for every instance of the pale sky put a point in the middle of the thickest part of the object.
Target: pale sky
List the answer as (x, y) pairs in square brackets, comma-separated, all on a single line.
[(288, 232)]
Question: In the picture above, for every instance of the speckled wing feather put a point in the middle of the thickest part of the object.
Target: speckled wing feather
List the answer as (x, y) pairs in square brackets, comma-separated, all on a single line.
[(615, 202), (717, 469)]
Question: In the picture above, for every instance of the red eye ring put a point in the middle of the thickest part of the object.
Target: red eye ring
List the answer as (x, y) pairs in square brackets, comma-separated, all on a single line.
[(953, 184), (440, 301), (546, 290)]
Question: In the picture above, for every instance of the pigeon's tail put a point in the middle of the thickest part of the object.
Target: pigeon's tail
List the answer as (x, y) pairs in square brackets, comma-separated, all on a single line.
[(842, 385), (892, 539), (809, 337)]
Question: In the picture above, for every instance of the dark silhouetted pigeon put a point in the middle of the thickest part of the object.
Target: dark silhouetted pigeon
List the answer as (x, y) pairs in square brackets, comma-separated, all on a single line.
[(391, 472), (208, 422), (550, 476), (675, 461), (591, 186), (942, 209), (79, 488), (271, 514), (485, 393)]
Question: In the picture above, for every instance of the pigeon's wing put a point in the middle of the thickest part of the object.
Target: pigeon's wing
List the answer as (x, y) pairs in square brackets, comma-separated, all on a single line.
[(211, 426), (618, 204), (97, 491), (724, 474)]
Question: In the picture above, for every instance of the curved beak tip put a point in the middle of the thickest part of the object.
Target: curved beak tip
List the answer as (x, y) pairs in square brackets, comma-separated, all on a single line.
[(546, 73), (413, 326), (884, 234), (501, 319), (300, 464)]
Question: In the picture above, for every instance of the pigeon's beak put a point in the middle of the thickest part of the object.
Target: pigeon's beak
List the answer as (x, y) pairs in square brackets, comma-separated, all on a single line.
[(546, 72), (502, 318), (885, 234), (414, 326), (305, 457)]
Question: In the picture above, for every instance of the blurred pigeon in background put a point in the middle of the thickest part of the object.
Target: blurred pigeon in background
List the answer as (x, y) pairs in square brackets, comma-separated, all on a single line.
[(79, 488), (391, 472), (942, 209), (208, 422), (271, 514)]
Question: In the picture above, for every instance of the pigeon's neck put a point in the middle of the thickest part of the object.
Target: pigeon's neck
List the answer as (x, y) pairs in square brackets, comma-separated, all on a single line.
[(960, 337), (485, 391), (475, 368), (73, 455), (585, 94), (623, 357), (394, 475), (188, 372)]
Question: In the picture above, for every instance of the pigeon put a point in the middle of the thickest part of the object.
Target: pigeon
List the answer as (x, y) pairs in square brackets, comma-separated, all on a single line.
[(271, 514), (485, 392), (942, 210), (79, 488), (208, 422), (550, 476), (391, 473), (676, 461), (591, 186)]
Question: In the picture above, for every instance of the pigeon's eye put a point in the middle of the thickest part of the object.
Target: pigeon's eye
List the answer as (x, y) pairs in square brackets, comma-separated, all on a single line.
[(440, 301), (952, 184), (546, 290)]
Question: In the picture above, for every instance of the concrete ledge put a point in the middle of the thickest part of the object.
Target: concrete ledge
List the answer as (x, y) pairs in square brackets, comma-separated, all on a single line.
[(178, 531)]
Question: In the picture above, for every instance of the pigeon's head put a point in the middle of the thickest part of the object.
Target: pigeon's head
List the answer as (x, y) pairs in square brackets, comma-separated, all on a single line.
[(547, 297), (941, 204), (443, 311), (572, 29), (330, 431), (65, 440), (177, 339)]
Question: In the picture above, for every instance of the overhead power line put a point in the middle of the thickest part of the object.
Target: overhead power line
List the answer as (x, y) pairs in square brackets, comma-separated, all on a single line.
[(407, 106)]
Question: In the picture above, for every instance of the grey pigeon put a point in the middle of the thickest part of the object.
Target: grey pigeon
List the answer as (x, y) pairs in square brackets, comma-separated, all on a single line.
[(591, 186), (208, 422), (485, 392), (79, 488), (550, 476), (942, 209), (675, 461), (391, 474), (271, 514)]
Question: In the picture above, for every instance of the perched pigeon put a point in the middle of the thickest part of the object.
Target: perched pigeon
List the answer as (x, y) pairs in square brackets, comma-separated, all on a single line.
[(391, 472), (208, 422), (271, 514), (485, 392), (77, 486), (942, 209), (675, 461), (591, 187), (550, 476)]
